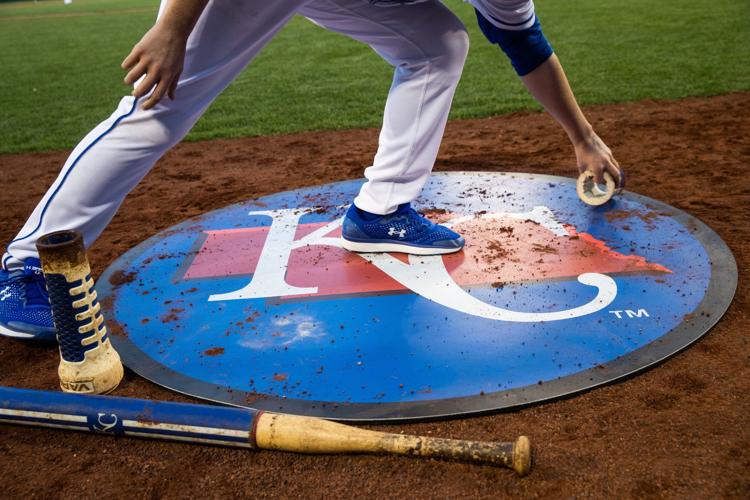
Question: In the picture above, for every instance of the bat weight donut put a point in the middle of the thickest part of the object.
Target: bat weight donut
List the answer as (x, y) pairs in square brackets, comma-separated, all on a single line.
[(591, 193)]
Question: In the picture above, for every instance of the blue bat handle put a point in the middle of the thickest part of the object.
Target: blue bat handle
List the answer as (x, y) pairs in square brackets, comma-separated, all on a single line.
[(117, 416)]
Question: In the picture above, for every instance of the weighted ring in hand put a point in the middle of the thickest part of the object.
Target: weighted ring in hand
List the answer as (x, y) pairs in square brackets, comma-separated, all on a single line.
[(621, 184), (592, 193)]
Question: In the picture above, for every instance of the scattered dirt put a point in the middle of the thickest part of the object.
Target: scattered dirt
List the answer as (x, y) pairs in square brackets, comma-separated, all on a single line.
[(536, 247), (214, 351), (120, 278), (496, 251), (170, 317), (679, 430), (646, 217)]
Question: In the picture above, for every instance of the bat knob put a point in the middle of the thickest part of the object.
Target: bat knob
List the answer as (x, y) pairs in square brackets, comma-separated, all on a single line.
[(522, 456)]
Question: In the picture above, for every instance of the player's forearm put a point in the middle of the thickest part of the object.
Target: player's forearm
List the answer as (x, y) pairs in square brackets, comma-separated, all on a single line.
[(535, 63), (549, 86), (180, 16)]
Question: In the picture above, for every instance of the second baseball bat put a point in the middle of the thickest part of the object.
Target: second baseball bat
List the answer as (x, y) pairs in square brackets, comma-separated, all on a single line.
[(240, 427)]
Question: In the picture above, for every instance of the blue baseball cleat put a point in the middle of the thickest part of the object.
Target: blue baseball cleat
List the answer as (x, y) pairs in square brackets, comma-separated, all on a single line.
[(25, 312), (404, 230)]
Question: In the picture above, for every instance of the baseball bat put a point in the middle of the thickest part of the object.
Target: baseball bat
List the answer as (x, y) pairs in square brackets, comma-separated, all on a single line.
[(88, 362), (239, 427)]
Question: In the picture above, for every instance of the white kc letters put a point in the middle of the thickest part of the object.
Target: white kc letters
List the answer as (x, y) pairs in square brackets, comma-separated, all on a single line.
[(425, 276)]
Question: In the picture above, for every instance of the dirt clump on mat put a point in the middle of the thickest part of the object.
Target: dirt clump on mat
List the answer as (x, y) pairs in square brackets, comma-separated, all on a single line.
[(678, 430)]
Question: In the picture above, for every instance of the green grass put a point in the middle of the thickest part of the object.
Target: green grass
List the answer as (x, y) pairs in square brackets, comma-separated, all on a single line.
[(42, 8), (61, 75)]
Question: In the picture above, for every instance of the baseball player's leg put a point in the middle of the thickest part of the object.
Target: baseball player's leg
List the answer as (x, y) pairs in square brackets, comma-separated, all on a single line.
[(427, 45), (115, 156)]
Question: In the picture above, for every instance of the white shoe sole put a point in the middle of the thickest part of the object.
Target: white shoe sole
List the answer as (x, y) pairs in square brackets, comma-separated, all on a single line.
[(355, 246), (15, 334)]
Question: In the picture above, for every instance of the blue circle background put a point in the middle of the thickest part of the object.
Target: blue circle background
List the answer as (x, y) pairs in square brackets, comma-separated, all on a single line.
[(402, 348)]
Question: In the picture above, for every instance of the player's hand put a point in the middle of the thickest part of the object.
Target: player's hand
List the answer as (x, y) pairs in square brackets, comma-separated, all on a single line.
[(593, 155), (158, 58)]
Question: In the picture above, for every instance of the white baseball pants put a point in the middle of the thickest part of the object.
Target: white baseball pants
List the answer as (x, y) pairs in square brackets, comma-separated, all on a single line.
[(425, 43)]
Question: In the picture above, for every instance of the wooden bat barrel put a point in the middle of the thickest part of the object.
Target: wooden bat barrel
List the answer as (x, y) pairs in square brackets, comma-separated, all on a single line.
[(314, 435)]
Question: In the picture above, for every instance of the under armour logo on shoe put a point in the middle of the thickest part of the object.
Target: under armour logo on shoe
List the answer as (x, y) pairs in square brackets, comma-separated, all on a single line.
[(5, 293), (392, 232)]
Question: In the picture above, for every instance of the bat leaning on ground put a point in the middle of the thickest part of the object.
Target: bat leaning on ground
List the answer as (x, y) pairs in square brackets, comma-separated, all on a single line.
[(239, 427)]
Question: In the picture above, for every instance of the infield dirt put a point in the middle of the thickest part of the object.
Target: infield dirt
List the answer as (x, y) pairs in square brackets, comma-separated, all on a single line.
[(680, 430)]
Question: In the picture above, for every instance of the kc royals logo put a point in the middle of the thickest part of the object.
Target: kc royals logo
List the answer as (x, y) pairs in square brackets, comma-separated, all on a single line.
[(259, 305), (105, 423)]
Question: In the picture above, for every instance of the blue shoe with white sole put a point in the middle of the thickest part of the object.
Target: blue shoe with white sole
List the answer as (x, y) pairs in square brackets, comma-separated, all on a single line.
[(25, 312), (404, 230)]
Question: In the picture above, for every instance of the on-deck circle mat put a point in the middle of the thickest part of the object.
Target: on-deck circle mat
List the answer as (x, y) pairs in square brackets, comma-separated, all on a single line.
[(257, 305)]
